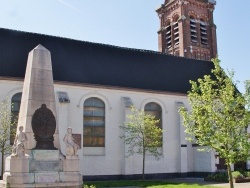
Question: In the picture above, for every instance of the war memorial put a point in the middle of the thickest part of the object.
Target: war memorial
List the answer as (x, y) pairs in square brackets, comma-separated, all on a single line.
[(36, 159)]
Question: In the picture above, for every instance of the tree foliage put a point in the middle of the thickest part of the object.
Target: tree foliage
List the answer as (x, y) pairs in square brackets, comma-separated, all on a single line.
[(6, 130), (142, 135), (219, 116)]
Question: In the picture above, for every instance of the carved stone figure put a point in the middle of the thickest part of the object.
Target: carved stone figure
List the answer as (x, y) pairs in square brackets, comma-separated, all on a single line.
[(44, 126), (18, 147), (71, 146)]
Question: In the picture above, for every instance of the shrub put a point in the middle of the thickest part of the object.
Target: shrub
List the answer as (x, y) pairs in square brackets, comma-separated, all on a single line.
[(218, 176), (210, 176), (247, 174), (221, 176), (237, 175), (89, 186)]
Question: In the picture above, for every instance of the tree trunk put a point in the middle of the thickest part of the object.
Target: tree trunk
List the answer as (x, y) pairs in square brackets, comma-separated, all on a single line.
[(230, 176), (143, 164), (2, 163)]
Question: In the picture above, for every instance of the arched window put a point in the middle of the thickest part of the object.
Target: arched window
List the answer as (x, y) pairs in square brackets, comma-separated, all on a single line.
[(176, 30), (94, 123), (155, 110), (193, 30), (203, 31), (15, 108)]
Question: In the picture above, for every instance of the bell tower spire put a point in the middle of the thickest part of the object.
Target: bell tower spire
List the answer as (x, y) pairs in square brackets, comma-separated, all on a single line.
[(187, 28)]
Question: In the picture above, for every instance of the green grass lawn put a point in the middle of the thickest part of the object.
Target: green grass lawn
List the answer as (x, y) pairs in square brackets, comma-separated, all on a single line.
[(149, 184)]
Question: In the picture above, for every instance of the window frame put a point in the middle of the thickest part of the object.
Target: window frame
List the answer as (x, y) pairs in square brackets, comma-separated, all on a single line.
[(16, 98), (160, 117), (94, 128), (160, 114)]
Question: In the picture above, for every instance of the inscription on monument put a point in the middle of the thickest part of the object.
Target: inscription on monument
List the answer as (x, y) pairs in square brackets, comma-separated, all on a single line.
[(46, 179), (45, 155), (46, 166)]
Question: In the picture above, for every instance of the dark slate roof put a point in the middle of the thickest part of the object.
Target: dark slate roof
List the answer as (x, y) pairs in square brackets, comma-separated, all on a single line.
[(92, 63)]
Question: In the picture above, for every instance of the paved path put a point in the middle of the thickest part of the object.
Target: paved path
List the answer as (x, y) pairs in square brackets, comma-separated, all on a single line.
[(201, 182)]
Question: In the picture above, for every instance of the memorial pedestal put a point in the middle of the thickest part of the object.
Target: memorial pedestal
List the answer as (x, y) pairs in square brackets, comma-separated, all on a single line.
[(44, 168)]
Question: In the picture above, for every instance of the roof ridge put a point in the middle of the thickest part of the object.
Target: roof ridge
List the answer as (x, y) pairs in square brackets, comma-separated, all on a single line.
[(78, 40), (101, 44)]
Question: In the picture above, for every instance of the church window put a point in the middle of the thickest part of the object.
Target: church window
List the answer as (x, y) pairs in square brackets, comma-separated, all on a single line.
[(15, 108), (193, 30), (155, 110), (94, 123), (203, 32)]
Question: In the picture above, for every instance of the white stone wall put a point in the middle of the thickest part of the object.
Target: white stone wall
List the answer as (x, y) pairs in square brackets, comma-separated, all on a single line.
[(111, 160), (204, 161)]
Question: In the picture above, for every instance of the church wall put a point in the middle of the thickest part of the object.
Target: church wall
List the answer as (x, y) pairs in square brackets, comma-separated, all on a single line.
[(203, 160), (110, 160)]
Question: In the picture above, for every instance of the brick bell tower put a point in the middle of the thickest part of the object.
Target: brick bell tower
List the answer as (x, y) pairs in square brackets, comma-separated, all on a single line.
[(187, 28)]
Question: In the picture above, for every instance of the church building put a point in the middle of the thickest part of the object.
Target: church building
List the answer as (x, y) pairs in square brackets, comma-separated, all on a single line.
[(95, 85)]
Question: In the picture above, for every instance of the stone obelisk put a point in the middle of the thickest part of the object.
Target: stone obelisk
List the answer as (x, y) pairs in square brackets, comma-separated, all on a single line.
[(40, 163), (38, 90)]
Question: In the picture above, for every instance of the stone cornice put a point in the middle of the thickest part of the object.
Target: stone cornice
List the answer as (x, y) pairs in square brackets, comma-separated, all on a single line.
[(201, 4), (95, 86), (173, 4)]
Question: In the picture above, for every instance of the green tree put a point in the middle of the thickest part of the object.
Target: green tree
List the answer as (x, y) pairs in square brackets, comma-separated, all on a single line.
[(219, 116), (143, 135), (6, 130)]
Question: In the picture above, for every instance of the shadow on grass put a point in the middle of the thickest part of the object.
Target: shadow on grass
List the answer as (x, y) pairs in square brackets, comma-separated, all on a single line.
[(146, 183)]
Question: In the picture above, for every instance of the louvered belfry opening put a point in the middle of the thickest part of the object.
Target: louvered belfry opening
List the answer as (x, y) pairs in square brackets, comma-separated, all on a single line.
[(168, 35), (193, 30), (203, 32), (176, 31)]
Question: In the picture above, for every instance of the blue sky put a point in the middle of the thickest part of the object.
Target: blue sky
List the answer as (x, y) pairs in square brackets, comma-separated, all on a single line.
[(130, 23)]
